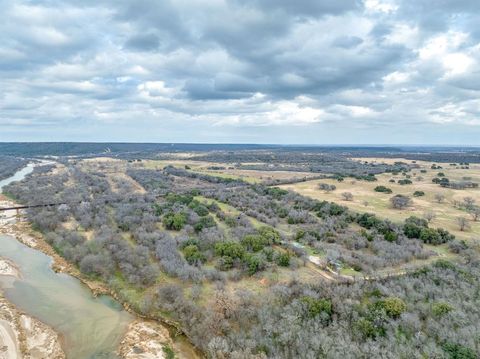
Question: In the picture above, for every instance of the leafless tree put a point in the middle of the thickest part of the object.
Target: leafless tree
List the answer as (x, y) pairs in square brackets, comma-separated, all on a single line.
[(463, 224), (468, 202), (400, 201), (429, 216), (439, 197), (347, 196), (474, 211), (326, 187)]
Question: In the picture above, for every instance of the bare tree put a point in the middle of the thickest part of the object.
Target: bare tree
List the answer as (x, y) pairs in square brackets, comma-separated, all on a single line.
[(439, 197), (463, 224), (327, 187), (474, 211), (347, 196), (400, 201), (365, 203), (429, 216), (468, 202)]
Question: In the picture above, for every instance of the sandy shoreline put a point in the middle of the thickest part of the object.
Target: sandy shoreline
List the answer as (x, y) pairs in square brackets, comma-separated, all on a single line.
[(144, 338), (22, 336), (8, 268)]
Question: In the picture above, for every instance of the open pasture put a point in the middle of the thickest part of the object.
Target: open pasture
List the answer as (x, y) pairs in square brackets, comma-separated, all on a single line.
[(365, 199)]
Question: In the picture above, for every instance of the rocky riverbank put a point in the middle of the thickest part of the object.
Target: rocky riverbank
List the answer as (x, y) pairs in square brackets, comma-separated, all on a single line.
[(145, 340), (8, 268)]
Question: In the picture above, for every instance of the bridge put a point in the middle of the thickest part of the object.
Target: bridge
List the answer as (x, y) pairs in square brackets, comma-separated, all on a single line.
[(30, 206)]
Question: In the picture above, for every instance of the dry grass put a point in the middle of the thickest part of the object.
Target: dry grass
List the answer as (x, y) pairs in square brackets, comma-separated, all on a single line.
[(250, 176), (379, 203)]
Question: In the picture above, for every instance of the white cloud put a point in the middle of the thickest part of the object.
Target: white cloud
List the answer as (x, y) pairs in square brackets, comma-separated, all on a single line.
[(385, 6), (457, 63)]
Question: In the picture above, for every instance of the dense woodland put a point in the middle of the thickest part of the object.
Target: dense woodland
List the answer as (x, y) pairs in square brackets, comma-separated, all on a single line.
[(9, 165), (165, 150), (182, 247), (298, 161)]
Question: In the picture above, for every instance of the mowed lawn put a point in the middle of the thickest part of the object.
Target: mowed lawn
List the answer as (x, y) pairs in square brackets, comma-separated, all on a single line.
[(365, 199)]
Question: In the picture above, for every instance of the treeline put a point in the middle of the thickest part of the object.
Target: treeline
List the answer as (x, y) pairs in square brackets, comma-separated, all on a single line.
[(295, 161)]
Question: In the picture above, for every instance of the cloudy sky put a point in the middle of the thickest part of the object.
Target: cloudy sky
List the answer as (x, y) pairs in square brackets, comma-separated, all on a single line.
[(243, 71)]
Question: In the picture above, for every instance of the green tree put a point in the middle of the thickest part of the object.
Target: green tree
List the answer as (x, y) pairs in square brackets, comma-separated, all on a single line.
[(439, 309), (193, 255), (317, 306), (174, 221), (230, 249), (271, 235), (254, 242), (283, 259)]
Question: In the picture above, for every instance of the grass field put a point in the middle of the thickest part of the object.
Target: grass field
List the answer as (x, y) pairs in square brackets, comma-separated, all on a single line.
[(365, 199), (229, 170)]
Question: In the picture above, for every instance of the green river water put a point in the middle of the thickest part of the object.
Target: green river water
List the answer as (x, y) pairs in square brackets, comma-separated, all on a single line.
[(89, 327)]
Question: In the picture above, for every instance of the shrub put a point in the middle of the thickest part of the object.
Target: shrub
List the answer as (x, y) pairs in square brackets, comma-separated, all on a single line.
[(430, 236), (418, 194), (336, 209), (174, 221), (276, 192), (201, 210), (412, 231), (347, 196), (400, 201), (382, 189), (367, 329), (204, 222), (421, 222), (390, 236), (283, 259), (404, 182), (225, 263), (445, 236), (271, 235), (169, 353), (254, 263), (254, 243), (193, 255), (368, 221), (393, 306), (458, 351), (317, 306), (229, 249), (440, 309), (326, 187)]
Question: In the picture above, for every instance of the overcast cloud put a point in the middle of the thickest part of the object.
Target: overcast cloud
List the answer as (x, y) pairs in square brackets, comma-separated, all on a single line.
[(256, 71)]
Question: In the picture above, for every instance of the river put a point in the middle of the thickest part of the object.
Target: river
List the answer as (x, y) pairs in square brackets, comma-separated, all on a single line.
[(90, 327)]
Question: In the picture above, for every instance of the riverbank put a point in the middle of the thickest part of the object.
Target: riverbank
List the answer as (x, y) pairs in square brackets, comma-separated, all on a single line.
[(22, 336), (8, 268), (143, 339), (16, 226)]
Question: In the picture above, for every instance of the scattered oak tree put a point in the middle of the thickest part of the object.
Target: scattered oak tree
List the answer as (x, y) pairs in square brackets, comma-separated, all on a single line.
[(400, 201)]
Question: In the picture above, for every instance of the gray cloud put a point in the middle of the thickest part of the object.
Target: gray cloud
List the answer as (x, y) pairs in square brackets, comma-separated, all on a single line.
[(143, 42), (304, 71)]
